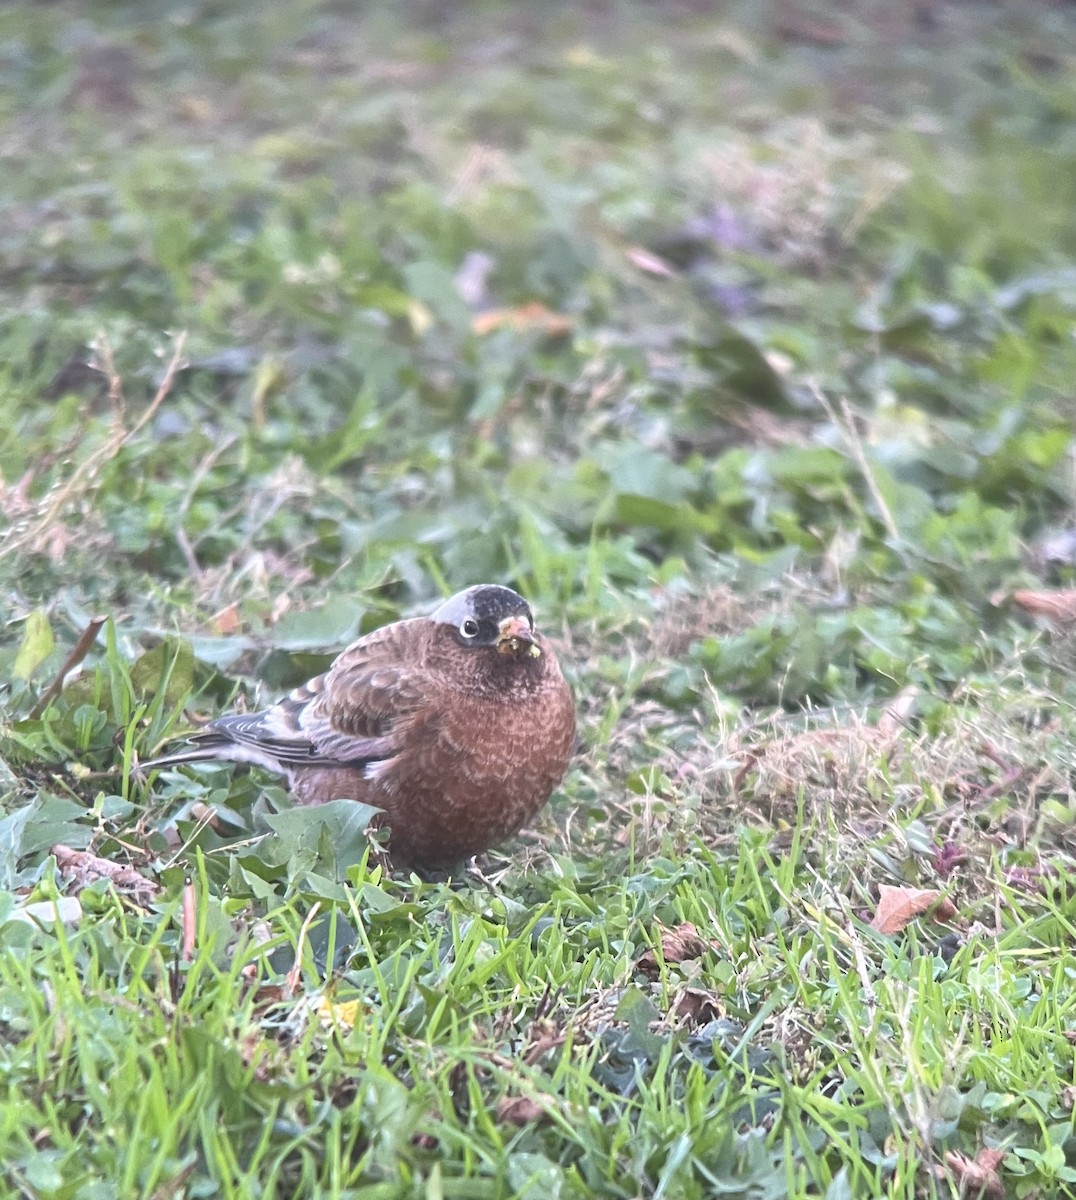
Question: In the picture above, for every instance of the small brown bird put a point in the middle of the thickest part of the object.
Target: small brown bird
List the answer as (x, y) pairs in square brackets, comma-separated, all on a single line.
[(458, 726)]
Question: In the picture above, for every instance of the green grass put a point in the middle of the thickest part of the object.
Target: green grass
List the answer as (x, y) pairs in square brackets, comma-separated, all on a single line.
[(762, 395)]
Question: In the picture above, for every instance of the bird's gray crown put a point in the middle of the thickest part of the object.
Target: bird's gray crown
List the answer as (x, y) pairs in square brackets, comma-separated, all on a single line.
[(485, 602)]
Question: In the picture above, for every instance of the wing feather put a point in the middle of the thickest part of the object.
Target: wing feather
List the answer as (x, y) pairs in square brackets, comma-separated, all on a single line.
[(356, 714)]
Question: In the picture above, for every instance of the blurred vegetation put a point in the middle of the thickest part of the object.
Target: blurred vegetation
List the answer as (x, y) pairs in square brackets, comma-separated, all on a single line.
[(740, 338)]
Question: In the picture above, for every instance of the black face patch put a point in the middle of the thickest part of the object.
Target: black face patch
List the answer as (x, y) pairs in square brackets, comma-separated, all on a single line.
[(487, 605)]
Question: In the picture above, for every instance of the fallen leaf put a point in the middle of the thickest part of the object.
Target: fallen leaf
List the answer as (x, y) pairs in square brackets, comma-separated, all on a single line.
[(1058, 606), (268, 996), (82, 868), (258, 1054), (520, 1110), (698, 1006), (898, 906), (227, 620), (975, 1177), (677, 946), (542, 1037), (531, 317)]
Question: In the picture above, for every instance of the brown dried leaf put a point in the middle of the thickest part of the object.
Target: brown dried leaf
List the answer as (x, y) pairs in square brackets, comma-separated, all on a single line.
[(898, 906), (256, 1054), (1058, 605), (541, 1044), (83, 868), (677, 946), (520, 1110), (977, 1177), (227, 620), (696, 1006), (268, 996)]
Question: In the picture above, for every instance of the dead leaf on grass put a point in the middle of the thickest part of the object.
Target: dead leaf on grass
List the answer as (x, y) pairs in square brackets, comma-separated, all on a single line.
[(81, 868), (227, 620), (520, 1110), (257, 1054), (899, 906), (542, 1037), (677, 945), (975, 1177), (697, 1006)]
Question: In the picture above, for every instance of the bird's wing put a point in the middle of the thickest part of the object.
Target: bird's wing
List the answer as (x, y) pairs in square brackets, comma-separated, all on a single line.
[(356, 714)]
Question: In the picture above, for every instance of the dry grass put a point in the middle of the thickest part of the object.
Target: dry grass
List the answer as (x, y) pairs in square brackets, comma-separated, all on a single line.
[(805, 188), (47, 525)]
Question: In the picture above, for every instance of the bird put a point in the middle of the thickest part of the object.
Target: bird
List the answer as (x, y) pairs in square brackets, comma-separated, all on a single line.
[(458, 726)]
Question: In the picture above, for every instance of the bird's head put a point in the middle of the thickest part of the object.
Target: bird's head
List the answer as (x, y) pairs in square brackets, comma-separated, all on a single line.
[(491, 616)]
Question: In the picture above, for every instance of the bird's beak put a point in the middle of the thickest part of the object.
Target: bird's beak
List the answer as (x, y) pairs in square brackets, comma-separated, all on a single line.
[(515, 636)]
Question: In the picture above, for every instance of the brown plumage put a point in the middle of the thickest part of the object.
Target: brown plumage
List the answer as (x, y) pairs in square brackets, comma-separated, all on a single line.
[(458, 726)]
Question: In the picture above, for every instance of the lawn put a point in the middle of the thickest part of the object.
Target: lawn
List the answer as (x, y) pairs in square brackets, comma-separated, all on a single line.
[(741, 339)]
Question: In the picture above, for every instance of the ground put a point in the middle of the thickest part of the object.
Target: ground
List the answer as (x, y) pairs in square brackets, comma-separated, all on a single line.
[(742, 340)]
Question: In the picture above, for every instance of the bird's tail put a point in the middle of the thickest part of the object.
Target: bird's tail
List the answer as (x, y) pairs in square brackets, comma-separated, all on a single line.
[(207, 747)]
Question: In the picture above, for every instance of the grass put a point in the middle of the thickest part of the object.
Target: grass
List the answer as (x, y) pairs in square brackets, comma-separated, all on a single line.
[(742, 344)]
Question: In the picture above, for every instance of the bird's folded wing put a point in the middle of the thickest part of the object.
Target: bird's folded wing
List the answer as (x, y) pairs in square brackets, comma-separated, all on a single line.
[(359, 712)]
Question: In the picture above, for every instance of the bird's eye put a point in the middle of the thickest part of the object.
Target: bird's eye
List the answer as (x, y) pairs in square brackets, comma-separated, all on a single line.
[(469, 628)]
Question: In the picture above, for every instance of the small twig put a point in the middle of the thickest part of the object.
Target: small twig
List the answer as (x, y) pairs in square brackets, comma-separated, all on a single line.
[(188, 554), (53, 504), (207, 464), (294, 975), (82, 648)]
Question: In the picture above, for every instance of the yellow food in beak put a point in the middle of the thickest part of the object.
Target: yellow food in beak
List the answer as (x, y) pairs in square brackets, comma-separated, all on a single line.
[(515, 637)]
